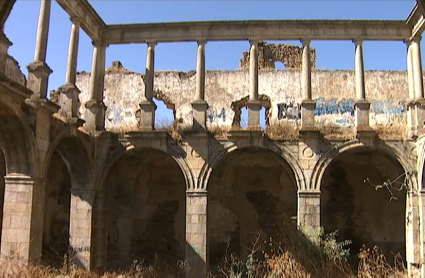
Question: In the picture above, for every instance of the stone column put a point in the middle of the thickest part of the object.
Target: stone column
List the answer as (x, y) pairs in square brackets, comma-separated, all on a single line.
[(80, 231), (413, 234), (68, 97), (309, 213), (200, 106), (197, 233), (411, 114), (95, 108), (418, 81), (38, 70), (23, 216), (253, 105), (146, 117), (362, 105), (307, 104), (100, 224)]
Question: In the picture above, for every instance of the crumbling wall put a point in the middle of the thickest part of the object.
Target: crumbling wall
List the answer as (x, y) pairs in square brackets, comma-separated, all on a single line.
[(332, 90), (13, 71), (270, 53)]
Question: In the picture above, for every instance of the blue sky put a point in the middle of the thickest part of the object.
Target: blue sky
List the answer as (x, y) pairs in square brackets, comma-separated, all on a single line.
[(22, 25)]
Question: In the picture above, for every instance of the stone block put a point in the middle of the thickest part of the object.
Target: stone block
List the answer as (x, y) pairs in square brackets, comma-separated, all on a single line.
[(362, 114), (254, 107), (199, 111), (146, 116)]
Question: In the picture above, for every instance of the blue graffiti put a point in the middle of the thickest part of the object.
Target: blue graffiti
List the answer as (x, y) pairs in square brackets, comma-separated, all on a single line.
[(332, 106), (213, 115), (388, 107)]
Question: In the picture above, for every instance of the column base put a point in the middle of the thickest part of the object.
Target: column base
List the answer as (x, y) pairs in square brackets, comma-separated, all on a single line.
[(254, 107), (68, 101), (199, 108), (146, 116), (307, 114), (38, 78), (361, 108), (95, 116)]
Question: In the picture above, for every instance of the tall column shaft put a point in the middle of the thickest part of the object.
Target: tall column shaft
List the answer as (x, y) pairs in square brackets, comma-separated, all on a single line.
[(150, 76), (359, 70), (200, 71), (306, 71), (253, 71), (197, 234), (411, 119), (73, 52), (413, 234), (417, 68), (42, 31)]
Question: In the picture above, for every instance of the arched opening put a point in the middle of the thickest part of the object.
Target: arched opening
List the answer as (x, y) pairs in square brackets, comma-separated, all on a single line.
[(359, 212), (251, 192), (56, 212), (146, 210)]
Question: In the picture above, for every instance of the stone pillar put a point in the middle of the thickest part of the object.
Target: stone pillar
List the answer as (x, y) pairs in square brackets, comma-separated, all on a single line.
[(253, 105), (418, 81), (146, 115), (411, 114), (95, 108), (68, 97), (197, 233), (38, 70), (412, 232), (23, 216), (309, 213), (200, 106), (307, 104), (80, 231), (99, 233), (361, 106)]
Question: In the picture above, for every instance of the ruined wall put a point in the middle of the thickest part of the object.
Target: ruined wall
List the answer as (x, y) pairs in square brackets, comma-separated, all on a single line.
[(14, 72), (270, 53), (332, 90)]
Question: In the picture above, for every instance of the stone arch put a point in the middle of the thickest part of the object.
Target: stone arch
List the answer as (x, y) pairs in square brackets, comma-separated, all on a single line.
[(251, 191), (353, 207), (222, 151), (175, 152), (17, 138), (68, 174), (145, 199), (327, 158)]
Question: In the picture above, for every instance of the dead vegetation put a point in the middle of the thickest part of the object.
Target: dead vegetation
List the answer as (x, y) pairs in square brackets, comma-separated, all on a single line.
[(333, 132), (392, 131), (283, 130)]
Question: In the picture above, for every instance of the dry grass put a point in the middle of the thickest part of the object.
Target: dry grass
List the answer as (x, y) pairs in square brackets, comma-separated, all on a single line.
[(219, 131), (283, 130), (337, 132), (398, 132)]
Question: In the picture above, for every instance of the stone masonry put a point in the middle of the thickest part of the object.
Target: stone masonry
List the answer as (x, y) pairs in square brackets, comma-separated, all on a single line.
[(88, 173)]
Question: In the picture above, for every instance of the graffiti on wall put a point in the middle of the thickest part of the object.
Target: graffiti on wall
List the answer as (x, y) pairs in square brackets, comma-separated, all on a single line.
[(289, 111), (213, 115)]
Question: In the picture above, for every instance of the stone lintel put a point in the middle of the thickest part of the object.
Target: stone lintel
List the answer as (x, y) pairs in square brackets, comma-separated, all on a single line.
[(43, 105)]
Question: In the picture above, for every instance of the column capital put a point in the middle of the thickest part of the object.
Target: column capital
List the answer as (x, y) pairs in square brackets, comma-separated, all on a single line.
[(309, 193), (98, 43), (305, 41), (358, 41), (416, 39), (202, 42), (254, 41), (76, 20), (151, 43)]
